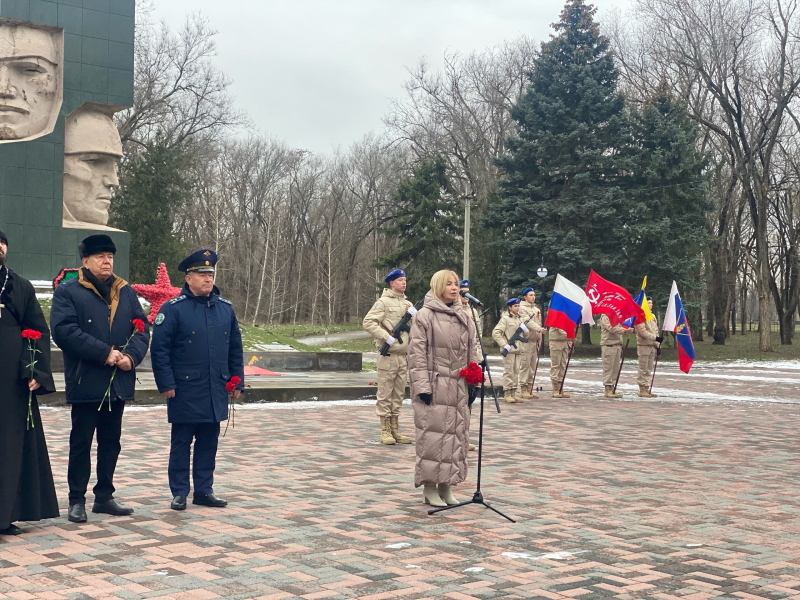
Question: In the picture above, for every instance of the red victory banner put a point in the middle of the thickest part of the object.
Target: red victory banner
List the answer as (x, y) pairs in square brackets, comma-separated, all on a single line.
[(611, 300)]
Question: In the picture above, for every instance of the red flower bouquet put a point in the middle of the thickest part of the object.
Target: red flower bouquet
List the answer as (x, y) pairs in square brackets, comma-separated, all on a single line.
[(31, 335), (473, 374), (230, 386)]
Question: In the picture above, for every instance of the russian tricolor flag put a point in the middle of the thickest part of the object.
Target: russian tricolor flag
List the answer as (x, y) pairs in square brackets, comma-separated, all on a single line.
[(676, 322), (569, 307)]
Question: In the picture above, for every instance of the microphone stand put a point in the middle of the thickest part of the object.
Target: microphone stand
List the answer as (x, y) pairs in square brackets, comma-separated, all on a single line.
[(477, 497)]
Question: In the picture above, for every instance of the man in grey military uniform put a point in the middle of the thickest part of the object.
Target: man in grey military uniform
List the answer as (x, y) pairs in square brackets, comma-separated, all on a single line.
[(379, 322)]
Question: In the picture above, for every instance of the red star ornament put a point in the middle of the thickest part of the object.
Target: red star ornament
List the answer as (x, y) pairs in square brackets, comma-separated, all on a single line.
[(157, 294)]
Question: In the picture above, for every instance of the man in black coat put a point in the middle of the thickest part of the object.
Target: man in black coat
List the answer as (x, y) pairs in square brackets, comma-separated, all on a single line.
[(92, 319)]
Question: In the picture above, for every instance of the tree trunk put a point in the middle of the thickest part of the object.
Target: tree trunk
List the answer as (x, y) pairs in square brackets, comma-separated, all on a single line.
[(586, 334), (787, 328), (764, 312)]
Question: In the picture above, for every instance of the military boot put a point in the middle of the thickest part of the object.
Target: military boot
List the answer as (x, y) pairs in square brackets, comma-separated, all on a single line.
[(557, 393), (510, 398), (386, 431), (644, 392), (395, 428), (610, 393), (530, 396)]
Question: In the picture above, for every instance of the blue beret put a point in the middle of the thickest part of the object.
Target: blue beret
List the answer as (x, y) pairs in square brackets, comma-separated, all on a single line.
[(201, 261), (512, 302), (526, 290), (395, 274), (464, 283)]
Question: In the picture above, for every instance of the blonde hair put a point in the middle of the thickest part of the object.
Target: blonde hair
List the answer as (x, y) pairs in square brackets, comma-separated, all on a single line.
[(439, 282)]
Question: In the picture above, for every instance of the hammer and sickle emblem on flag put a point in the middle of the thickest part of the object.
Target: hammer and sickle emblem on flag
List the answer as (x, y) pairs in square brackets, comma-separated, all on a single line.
[(593, 294)]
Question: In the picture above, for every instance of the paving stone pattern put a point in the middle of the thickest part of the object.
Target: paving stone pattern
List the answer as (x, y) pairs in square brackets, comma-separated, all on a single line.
[(614, 499)]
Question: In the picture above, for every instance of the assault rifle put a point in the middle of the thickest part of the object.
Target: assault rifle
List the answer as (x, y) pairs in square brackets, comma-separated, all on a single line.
[(519, 336), (397, 332)]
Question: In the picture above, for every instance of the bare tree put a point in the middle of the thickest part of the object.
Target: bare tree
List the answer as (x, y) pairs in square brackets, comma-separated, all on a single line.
[(741, 55), (178, 92)]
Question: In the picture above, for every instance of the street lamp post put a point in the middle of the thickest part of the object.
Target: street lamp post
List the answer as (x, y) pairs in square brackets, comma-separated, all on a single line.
[(542, 273), (467, 225)]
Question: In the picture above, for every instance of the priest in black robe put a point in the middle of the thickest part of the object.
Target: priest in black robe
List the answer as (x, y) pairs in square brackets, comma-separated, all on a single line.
[(27, 491)]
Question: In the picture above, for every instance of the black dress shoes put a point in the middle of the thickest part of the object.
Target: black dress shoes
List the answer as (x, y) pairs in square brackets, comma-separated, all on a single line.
[(178, 503), (209, 500), (77, 513), (11, 530), (112, 507)]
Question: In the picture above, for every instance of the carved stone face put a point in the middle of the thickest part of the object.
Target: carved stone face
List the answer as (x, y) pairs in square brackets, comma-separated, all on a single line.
[(92, 149), (30, 81), (89, 182)]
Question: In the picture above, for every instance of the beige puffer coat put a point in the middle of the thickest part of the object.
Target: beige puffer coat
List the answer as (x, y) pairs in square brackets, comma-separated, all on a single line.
[(442, 342)]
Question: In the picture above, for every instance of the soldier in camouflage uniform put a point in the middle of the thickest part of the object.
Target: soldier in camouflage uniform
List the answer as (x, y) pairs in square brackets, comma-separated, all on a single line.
[(502, 333), (529, 314), (611, 353), (382, 318), (559, 351), (648, 345)]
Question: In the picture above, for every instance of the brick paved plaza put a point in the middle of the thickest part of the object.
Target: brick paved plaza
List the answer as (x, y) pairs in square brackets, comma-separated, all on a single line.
[(616, 499)]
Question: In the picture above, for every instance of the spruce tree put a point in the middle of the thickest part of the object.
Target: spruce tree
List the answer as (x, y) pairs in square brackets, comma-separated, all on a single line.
[(561, 195), (428, 223), (667, 225), (154, 184)]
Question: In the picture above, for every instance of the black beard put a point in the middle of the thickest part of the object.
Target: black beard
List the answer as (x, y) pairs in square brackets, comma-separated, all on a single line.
[(2, 260)]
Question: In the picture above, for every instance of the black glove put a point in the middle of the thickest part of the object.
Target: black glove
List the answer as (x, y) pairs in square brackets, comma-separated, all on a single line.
[(426, 398), (658, 350), (483, 364), (660, 339)]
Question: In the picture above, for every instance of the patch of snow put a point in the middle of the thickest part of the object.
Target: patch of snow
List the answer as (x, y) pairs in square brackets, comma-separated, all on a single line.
[(562, 555)]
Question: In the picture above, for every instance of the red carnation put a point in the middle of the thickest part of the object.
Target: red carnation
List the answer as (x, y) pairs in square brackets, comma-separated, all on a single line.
[(232, 383), (31, 334), (473, 374), (139, 325)]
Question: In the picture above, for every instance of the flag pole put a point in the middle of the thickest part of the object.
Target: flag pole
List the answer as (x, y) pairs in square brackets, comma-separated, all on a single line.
[(655, 366), (569, 357), (536, 368), (622, 362)]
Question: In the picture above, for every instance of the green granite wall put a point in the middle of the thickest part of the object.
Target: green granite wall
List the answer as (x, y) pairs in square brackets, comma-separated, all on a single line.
[(98, 67)]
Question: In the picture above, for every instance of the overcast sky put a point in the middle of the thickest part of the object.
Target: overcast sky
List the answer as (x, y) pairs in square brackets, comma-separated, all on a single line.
[(320, 74)]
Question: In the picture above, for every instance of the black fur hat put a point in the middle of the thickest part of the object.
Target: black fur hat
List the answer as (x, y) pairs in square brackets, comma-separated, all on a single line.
[(95, 244)]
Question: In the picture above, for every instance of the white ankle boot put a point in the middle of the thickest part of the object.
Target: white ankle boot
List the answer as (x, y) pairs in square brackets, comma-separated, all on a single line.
[(446, 494), (431, 496)]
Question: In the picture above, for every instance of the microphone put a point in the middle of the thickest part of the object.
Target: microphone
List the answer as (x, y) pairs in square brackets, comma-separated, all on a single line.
[(471, 298)]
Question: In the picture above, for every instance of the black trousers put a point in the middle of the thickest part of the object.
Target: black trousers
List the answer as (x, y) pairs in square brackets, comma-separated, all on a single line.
[(206, 438), (86, 419)]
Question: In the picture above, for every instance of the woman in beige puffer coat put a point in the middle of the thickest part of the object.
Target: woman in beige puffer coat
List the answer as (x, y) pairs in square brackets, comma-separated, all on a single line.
[(441, 343)]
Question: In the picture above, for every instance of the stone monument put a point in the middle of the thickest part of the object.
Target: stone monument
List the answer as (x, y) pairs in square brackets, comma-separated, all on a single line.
[(66, 66), (91, 150)]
